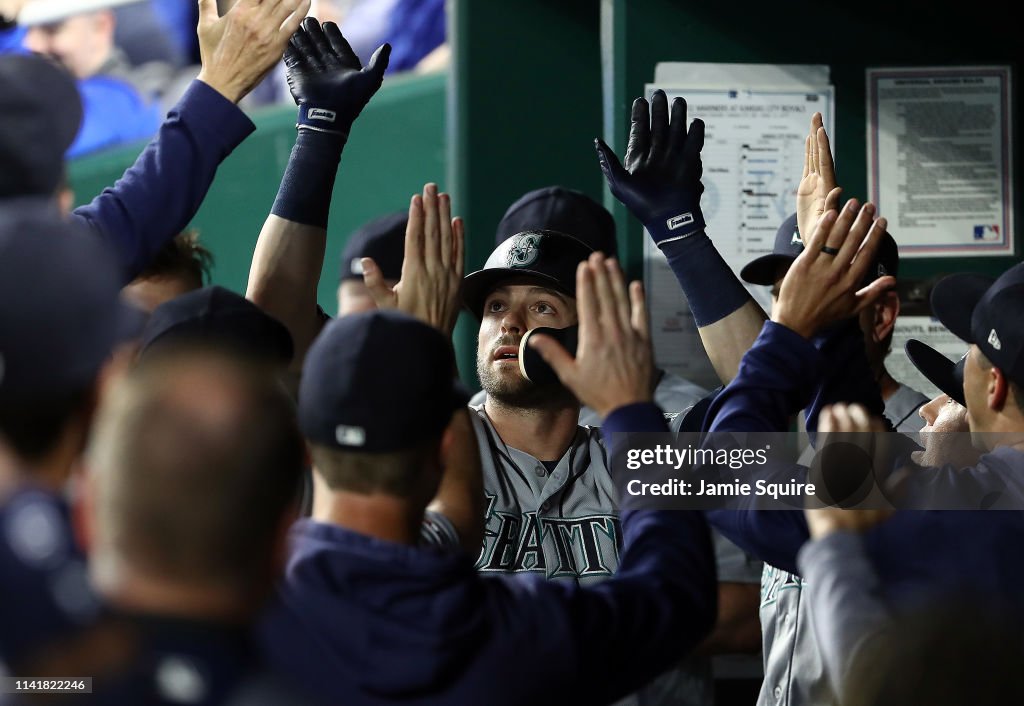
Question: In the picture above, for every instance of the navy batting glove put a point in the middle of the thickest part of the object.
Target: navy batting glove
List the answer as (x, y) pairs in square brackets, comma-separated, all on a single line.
[(660, 182), (326, 78)]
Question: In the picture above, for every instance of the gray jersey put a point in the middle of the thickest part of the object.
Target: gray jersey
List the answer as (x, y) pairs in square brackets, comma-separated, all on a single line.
[(794, 674), (564, 524)]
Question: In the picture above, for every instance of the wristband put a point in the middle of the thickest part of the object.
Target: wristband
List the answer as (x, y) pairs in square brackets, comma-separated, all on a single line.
[(308, 182), (710, 286), (678, 223), (321, 120)]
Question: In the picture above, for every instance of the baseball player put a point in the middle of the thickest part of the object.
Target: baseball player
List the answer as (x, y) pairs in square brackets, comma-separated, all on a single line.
[(193, 471), (381, 239), (157, 196), (283, 263), (913, 551), (817, 186), (326, 77), (573, 212), (60, 323), (728, 322), (552, 506), (846, 618), (367, 615), (327, 80)]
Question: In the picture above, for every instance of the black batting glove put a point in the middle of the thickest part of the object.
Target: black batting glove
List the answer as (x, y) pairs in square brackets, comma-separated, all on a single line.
[(660, 182), (326, 78)]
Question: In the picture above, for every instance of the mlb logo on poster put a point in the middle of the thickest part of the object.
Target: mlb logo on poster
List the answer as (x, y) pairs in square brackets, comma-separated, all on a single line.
[(986, 232)]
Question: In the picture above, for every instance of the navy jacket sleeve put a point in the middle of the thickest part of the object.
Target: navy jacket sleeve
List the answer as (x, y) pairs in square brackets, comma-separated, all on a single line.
[(846, 376), (777, 376), (159, 195), (781, 374), (661, 602)]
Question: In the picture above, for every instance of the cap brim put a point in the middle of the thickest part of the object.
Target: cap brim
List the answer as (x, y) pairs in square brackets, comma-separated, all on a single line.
[(953, 300), (477, 285), (765, 269), (937, 368)]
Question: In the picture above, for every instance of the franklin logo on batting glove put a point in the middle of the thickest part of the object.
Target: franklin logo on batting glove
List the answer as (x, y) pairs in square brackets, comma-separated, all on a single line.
[(320, 114), (677, 222)]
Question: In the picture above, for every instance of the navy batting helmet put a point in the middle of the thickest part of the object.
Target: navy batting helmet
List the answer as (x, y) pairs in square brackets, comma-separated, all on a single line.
[(545, 255)]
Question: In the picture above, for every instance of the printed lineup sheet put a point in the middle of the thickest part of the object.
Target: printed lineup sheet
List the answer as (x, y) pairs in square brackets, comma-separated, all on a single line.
[(940, 158), (756, 118)]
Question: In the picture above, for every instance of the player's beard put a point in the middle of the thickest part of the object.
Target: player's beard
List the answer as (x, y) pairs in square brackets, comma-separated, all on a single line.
[(510, 389)]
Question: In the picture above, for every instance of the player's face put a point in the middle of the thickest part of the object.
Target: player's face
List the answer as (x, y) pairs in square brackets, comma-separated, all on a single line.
[(944, 434), (509, 312)]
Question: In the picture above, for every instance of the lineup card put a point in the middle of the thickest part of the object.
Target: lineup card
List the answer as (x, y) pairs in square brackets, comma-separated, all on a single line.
[(753, 161)]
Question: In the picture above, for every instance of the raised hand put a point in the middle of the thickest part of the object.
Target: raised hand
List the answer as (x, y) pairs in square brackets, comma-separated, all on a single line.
[(432, 265), (613, 362), (660, 181), (823, 284), (852, 424), (240, 48), (327, 80), (818, 190)]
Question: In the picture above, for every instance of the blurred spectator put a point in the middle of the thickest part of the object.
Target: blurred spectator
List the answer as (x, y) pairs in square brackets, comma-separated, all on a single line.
[(417, 28), (414, 28), (122, 102), (365, 23), (179, 19), (144, 37), (11, 35)]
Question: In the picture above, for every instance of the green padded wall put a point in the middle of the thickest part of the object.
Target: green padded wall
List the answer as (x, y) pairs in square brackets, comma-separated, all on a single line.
[(396, 146), (525, 108)]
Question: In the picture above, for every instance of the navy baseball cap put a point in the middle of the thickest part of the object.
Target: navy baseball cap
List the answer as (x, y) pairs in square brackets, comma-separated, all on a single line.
[(40, 115), (562, 209), (61, 314), (987, 313), (547, 256), (218, 316), (378, 381), (766, 269), (938, 369), (383, 239)]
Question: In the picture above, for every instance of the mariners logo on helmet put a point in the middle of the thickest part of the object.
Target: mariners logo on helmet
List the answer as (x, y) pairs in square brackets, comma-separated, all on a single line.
[(524, 251)]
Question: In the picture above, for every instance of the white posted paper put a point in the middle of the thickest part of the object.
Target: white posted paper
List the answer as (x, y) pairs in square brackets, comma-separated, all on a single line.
[(927, 330), (939, 158)]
